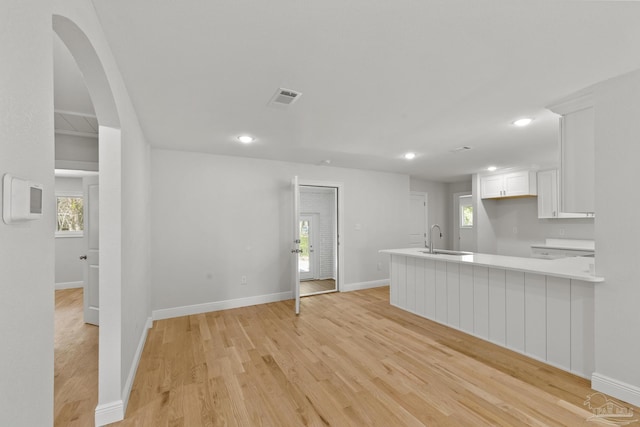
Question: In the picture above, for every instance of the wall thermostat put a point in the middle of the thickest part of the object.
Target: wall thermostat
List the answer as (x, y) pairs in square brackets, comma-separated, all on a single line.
[(21, 199)]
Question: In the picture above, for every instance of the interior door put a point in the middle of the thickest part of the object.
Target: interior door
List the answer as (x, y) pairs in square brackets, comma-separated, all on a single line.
[(296, 242), (418, 220), (92, 254)]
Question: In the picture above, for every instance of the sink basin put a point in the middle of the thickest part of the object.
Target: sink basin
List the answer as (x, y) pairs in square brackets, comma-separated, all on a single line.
[(447, 252)]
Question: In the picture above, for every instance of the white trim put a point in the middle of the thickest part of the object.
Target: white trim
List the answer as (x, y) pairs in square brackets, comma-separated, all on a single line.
[(77, 165), (69, 285), (364, 285), (340, 243), (426, 213), (126, 392), (75, 113), (618, 389), (187, 310), (76, 133), (108, 413)]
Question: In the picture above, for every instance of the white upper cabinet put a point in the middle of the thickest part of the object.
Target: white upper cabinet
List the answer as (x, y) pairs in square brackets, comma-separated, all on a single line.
[(512, 184), (577, 150), (548, 194)]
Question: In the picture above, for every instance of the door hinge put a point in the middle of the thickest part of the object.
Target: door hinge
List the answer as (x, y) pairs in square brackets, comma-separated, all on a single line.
[(296, 241)]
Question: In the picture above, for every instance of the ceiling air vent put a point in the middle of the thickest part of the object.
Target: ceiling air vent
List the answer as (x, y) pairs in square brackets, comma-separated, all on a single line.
[(284, 97), (463, 148)]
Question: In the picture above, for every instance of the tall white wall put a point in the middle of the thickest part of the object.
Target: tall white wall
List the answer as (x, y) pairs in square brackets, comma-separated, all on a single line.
[(218, 218), (69, 267), (27, 249), (617, 317)]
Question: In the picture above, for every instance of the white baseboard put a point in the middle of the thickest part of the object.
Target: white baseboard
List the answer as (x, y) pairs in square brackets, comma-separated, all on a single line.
[(618, 389), (364, 285), (109, 413), (69, 285), (187, 310), (126, 391)]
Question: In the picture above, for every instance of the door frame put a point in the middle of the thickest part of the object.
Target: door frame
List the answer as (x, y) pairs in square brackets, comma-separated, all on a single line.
[(456, 218), (340, 241), (426, 212)]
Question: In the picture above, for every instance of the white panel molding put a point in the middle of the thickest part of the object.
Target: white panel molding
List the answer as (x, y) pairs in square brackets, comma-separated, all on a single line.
[(76, 165), (126, 392), (364, 285), (69, 285), (187, 310), (108, 413), (618, 389)]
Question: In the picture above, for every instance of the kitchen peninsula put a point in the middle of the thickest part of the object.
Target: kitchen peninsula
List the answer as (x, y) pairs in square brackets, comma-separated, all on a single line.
[(537, 307)]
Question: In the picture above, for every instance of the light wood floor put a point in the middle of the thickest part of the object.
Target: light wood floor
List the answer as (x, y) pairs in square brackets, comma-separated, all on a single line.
[(75, 362), (347, 359), (312, 286)]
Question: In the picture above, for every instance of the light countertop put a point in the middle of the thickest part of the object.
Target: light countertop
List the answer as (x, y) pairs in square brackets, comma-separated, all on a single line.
[(576, 268), (570, 244)]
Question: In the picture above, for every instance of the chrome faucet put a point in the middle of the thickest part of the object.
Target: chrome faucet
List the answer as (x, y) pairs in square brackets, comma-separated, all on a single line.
[(431, 237)]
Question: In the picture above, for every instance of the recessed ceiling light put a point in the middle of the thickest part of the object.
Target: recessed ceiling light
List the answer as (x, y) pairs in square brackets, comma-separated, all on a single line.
[(523, 122), (410, 156), (246, 139), (492, 168)]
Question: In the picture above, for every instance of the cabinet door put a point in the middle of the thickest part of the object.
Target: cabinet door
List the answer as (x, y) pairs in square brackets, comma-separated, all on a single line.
[(548, 194), (491, 186), (578, 161), (517, 184)]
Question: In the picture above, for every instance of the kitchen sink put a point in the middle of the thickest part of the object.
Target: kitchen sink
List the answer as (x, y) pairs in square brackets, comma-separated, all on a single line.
[(447, 252)]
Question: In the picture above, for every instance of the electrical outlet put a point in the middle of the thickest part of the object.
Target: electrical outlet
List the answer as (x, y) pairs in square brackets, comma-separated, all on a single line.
[(243, 280)]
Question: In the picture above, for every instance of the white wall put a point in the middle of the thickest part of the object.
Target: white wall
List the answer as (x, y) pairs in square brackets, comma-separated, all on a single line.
[(516, 226), (617, 132), (510, 226), (76, 148), (218, 218), (438, 208), (27, 249), (322, 201), (69, 249)]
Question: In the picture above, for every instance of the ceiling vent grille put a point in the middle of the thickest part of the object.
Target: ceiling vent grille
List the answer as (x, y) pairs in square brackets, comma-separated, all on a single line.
[(284, 97), (463, 148)]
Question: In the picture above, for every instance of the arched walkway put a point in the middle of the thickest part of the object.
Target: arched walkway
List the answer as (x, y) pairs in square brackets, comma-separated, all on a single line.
[(110, 404)]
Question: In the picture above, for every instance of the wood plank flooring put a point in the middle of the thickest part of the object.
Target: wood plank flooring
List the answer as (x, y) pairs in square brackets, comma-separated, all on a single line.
[(349, 359), (75, 362), (312, 286)]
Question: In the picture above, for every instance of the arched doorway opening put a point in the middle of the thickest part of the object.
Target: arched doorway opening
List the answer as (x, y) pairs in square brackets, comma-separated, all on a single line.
[(110, 405)]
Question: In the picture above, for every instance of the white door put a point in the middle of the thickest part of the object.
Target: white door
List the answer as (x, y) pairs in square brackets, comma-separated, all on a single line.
[(295, 247), (92, 255), (464, 223), (418, 220), (307, 258)]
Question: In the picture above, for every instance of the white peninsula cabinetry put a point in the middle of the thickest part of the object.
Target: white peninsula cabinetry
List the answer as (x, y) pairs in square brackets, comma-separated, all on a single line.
[(512, 184), (541, 308)]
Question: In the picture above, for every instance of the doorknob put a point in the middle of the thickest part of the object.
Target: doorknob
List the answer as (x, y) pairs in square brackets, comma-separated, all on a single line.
[(83, 257)]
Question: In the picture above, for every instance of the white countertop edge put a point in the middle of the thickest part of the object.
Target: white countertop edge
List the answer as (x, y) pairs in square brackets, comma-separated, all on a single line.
[(569, 248), (574, 268)]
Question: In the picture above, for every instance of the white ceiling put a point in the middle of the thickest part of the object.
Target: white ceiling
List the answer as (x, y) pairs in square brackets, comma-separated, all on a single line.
[(378, 78)]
